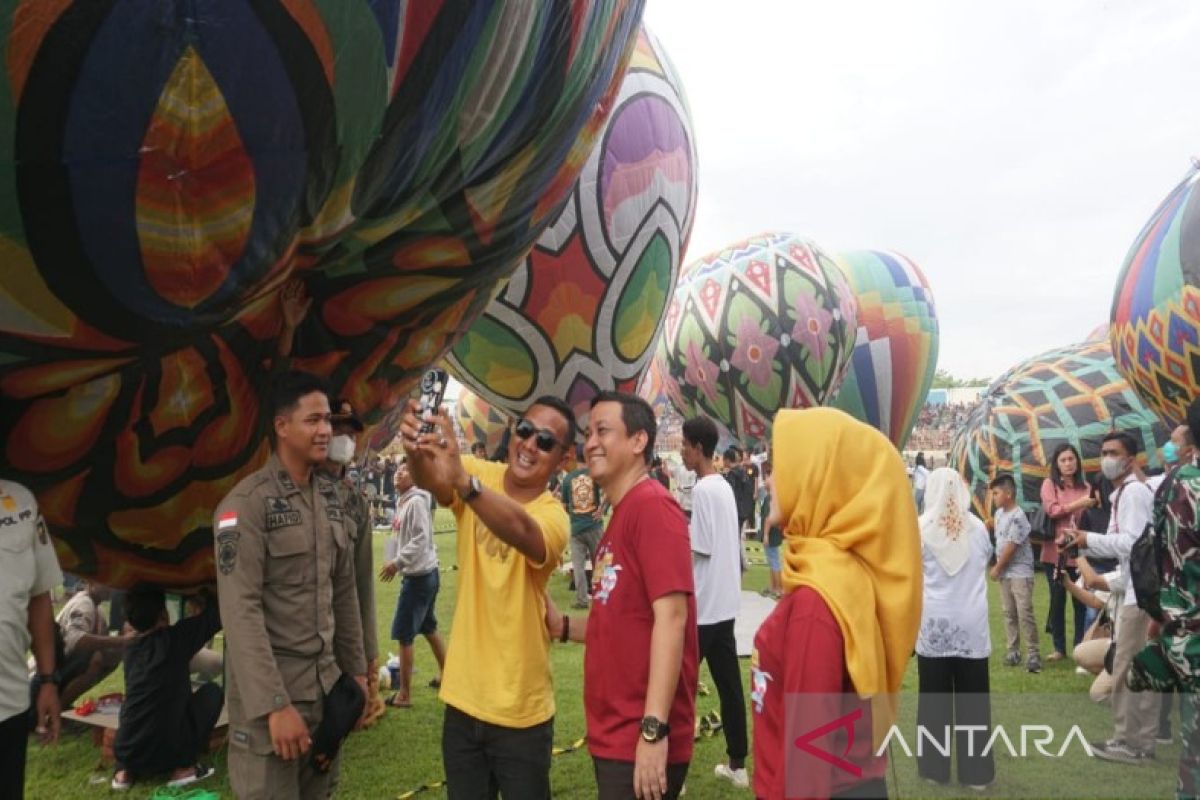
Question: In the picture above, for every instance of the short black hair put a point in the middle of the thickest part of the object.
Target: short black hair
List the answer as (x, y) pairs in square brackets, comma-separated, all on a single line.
[(702, 431), (657, 462), (1004, 481), (1128, 442), (290, 386), (479, 446), (144, 605), (920, 462), (1193, 419), (636, 415), (733, 453), (550, 401)]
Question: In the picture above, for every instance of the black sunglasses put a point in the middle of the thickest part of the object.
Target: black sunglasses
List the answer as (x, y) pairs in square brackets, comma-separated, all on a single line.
[(546, 440)]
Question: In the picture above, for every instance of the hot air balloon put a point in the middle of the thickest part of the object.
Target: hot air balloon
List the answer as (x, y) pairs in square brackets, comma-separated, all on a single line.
[(580, 314), (765, 324), (173, 164), (1155, 330), (1073, 394), (480, 421), (895, 350)]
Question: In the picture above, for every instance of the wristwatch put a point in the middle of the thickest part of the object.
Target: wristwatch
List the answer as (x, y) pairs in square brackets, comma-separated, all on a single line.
[(49, 677), (473, 492), (654, 729)]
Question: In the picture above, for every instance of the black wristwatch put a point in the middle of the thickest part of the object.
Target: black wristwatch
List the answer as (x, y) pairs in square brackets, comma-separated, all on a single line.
[(473, 492), (654, 729), (48, 677)]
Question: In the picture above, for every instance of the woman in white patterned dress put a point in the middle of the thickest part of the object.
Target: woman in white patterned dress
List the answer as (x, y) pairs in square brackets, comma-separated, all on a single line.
[(954, 642)]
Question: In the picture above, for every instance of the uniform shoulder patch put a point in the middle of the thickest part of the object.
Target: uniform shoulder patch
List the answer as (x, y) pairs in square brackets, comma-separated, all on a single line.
[(227, 550)]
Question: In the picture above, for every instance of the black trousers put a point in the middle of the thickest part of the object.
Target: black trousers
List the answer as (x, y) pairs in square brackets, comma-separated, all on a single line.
[(485, 761), (955, 692), (14, 738), (719, 648), (614, 779), (181, 746)]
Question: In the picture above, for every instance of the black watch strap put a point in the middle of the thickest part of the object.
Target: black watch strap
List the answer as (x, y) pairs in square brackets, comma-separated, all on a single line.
[(48, 677)]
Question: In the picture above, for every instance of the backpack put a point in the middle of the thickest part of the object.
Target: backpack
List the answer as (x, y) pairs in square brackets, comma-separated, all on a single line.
[(1146, 557)]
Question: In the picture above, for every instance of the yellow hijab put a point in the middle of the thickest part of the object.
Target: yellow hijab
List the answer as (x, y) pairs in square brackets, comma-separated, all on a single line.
[(850, 532)]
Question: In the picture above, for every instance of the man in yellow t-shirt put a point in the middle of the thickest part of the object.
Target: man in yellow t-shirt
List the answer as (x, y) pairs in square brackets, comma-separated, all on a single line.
[(499, 725)]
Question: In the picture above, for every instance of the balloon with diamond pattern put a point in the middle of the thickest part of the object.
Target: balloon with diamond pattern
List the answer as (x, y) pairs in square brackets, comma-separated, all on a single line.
[(765, 324), (1155, 320), (1070, 395)]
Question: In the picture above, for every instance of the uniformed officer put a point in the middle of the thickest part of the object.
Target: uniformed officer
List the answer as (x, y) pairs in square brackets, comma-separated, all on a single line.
[(28, 571), (285, 574), (347, 427)]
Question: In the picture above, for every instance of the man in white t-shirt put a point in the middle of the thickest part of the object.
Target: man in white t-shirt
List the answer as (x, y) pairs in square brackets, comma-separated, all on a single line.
[(717, 564)]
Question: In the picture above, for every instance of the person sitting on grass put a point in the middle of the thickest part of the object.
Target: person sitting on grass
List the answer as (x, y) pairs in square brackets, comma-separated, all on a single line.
[(417, 562), (89, 654), (164, 725)]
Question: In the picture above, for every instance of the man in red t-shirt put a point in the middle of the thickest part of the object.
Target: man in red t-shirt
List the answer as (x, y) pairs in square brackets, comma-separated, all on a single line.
[(640, 668)]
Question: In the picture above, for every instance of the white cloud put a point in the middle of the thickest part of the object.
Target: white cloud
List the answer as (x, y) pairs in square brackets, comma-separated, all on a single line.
[(1013, 150)]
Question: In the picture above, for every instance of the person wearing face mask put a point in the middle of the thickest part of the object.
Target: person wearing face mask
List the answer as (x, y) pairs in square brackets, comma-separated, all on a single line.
[(342, 445), (1135, 714), (1179, 449)]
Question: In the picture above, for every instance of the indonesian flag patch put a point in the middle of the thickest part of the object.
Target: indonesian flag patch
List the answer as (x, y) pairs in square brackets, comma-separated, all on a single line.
[(227, 520)]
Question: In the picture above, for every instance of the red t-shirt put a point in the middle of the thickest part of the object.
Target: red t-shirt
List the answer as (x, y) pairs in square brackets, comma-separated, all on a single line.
[(645, 554), (799, 668)]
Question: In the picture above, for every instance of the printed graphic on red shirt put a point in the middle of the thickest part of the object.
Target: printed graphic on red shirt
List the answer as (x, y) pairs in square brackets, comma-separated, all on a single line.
[(758, 682), (604, 576)]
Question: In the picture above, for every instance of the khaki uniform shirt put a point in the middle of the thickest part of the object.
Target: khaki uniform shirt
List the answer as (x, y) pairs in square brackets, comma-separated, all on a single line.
[(358, 526), (285, 576)]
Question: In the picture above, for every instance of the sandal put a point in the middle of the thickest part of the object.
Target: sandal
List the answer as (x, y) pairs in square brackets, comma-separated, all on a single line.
[(395, 702), (435, 683), (119, 784), (198, 773)]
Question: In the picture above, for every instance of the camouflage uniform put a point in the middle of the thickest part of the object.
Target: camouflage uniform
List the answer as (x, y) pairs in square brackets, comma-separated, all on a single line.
[(1172, 661)]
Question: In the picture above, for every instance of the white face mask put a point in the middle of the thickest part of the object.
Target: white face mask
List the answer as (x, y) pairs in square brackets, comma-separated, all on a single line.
[(1112, 467), (341, 449)]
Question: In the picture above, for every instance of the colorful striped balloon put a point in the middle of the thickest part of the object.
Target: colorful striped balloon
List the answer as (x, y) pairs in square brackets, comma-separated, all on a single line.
[(1155, 331), (169, 165), (580, 314), (895, 351)]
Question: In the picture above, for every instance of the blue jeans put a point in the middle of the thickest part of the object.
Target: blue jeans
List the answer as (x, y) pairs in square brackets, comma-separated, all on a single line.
[(1056, 623)]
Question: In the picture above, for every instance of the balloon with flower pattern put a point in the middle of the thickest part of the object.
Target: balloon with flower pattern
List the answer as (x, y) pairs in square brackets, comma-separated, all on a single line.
[(480, 421), (895, 350), (765, 324), (580, 315), (1155, 321), (170, 165)]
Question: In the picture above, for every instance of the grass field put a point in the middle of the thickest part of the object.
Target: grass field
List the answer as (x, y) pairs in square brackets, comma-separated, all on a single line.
[(402, 752)]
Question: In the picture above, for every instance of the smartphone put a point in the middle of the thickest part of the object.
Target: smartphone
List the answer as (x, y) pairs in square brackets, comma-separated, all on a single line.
[(433, 389)]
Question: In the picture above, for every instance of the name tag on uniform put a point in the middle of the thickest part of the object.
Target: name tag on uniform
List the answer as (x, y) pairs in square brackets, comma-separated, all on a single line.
[(281, 514)]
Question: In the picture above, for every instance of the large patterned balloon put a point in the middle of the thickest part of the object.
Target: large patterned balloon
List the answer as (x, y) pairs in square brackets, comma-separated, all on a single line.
[(480, 421), (1156, 309), (1073, 394), (170, 164), (580, 314), (765, 324), (895, 351)]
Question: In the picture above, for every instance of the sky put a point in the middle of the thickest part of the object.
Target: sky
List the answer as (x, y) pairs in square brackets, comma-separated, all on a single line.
[(1012, 149)]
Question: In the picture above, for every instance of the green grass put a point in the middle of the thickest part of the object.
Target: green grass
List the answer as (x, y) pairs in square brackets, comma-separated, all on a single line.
[(402, 751)]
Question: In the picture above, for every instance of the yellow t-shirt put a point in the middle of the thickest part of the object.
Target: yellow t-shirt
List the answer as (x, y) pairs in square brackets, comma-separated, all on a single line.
[(498, 660)]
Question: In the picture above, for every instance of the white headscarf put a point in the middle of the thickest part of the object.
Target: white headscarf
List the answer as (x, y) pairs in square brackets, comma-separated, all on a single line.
[(946, 523)]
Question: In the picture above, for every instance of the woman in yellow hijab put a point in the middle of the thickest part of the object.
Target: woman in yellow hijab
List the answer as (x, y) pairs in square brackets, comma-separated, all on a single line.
[(828, 661)]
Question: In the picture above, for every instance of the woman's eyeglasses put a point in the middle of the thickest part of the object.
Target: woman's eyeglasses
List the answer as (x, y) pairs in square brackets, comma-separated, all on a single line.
[(546, 440)]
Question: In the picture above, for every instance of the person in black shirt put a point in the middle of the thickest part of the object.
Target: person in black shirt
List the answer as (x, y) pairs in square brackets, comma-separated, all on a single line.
[(743, 478), (164, 724)]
